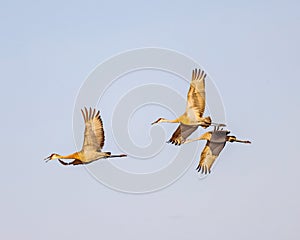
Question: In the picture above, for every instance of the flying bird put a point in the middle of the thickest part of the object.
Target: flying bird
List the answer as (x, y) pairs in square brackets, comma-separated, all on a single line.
[(93, 142), (216, 141), (193, 115)]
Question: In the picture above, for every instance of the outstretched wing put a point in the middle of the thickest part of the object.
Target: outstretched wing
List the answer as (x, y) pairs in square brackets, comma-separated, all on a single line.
[(212, 150), (182, 133), (94, 133), (196, 95), (206, 161)]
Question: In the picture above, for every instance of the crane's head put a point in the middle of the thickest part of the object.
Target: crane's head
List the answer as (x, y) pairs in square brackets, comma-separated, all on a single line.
[(158, 121), (52, 157)]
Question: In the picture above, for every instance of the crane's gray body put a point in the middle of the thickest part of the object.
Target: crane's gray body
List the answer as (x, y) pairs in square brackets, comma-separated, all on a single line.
[(217, 141)]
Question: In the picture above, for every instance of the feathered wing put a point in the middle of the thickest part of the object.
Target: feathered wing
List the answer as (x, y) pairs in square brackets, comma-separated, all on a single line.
[(206, 161), (94, 133), (196, 95), (212, 150), (182, 133)]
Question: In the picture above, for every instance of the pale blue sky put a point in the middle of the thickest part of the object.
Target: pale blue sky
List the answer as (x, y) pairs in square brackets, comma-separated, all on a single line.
[(251, 51)]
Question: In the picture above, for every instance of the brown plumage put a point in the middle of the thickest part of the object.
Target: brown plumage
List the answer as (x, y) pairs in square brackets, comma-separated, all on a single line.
[(93, 142), (181, 134), (193, 115), (216, 141)]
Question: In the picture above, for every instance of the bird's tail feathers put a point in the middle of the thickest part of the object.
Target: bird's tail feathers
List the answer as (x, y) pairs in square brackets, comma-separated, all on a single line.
[(206, 122)]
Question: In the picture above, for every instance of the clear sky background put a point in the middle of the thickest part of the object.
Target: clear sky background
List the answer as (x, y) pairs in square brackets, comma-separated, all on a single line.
[(251, 51)]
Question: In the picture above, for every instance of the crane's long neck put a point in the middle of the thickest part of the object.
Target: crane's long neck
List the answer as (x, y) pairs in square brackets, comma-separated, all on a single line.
[(71, 156), (205, 136), (170, 121)]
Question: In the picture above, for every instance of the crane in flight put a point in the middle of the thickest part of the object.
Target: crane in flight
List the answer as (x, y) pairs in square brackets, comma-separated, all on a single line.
[(192, 118), (93, 142), (215, 142)]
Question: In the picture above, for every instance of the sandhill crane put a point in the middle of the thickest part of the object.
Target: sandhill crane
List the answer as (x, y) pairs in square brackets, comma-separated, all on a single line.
[(192, 118), (93, 142), (216, 141)]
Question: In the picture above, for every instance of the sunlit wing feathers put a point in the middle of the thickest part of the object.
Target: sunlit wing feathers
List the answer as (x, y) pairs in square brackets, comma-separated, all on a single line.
[(206, 161), (212, 150), (196, 95), (182, 133), (94, 133)]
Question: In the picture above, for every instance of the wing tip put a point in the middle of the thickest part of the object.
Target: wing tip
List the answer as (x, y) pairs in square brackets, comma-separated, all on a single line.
[(203, 169), (174, 142), (198, 74)]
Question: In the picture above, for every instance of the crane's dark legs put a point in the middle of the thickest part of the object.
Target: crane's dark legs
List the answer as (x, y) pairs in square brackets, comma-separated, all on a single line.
[(242, 141), (113, 156)]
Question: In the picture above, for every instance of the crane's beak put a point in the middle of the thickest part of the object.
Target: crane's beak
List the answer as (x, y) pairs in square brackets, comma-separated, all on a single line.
[(47, 159), (154, 122)]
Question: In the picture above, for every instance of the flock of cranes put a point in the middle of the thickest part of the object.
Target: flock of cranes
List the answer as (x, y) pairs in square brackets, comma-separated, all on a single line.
[(189, 121)]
